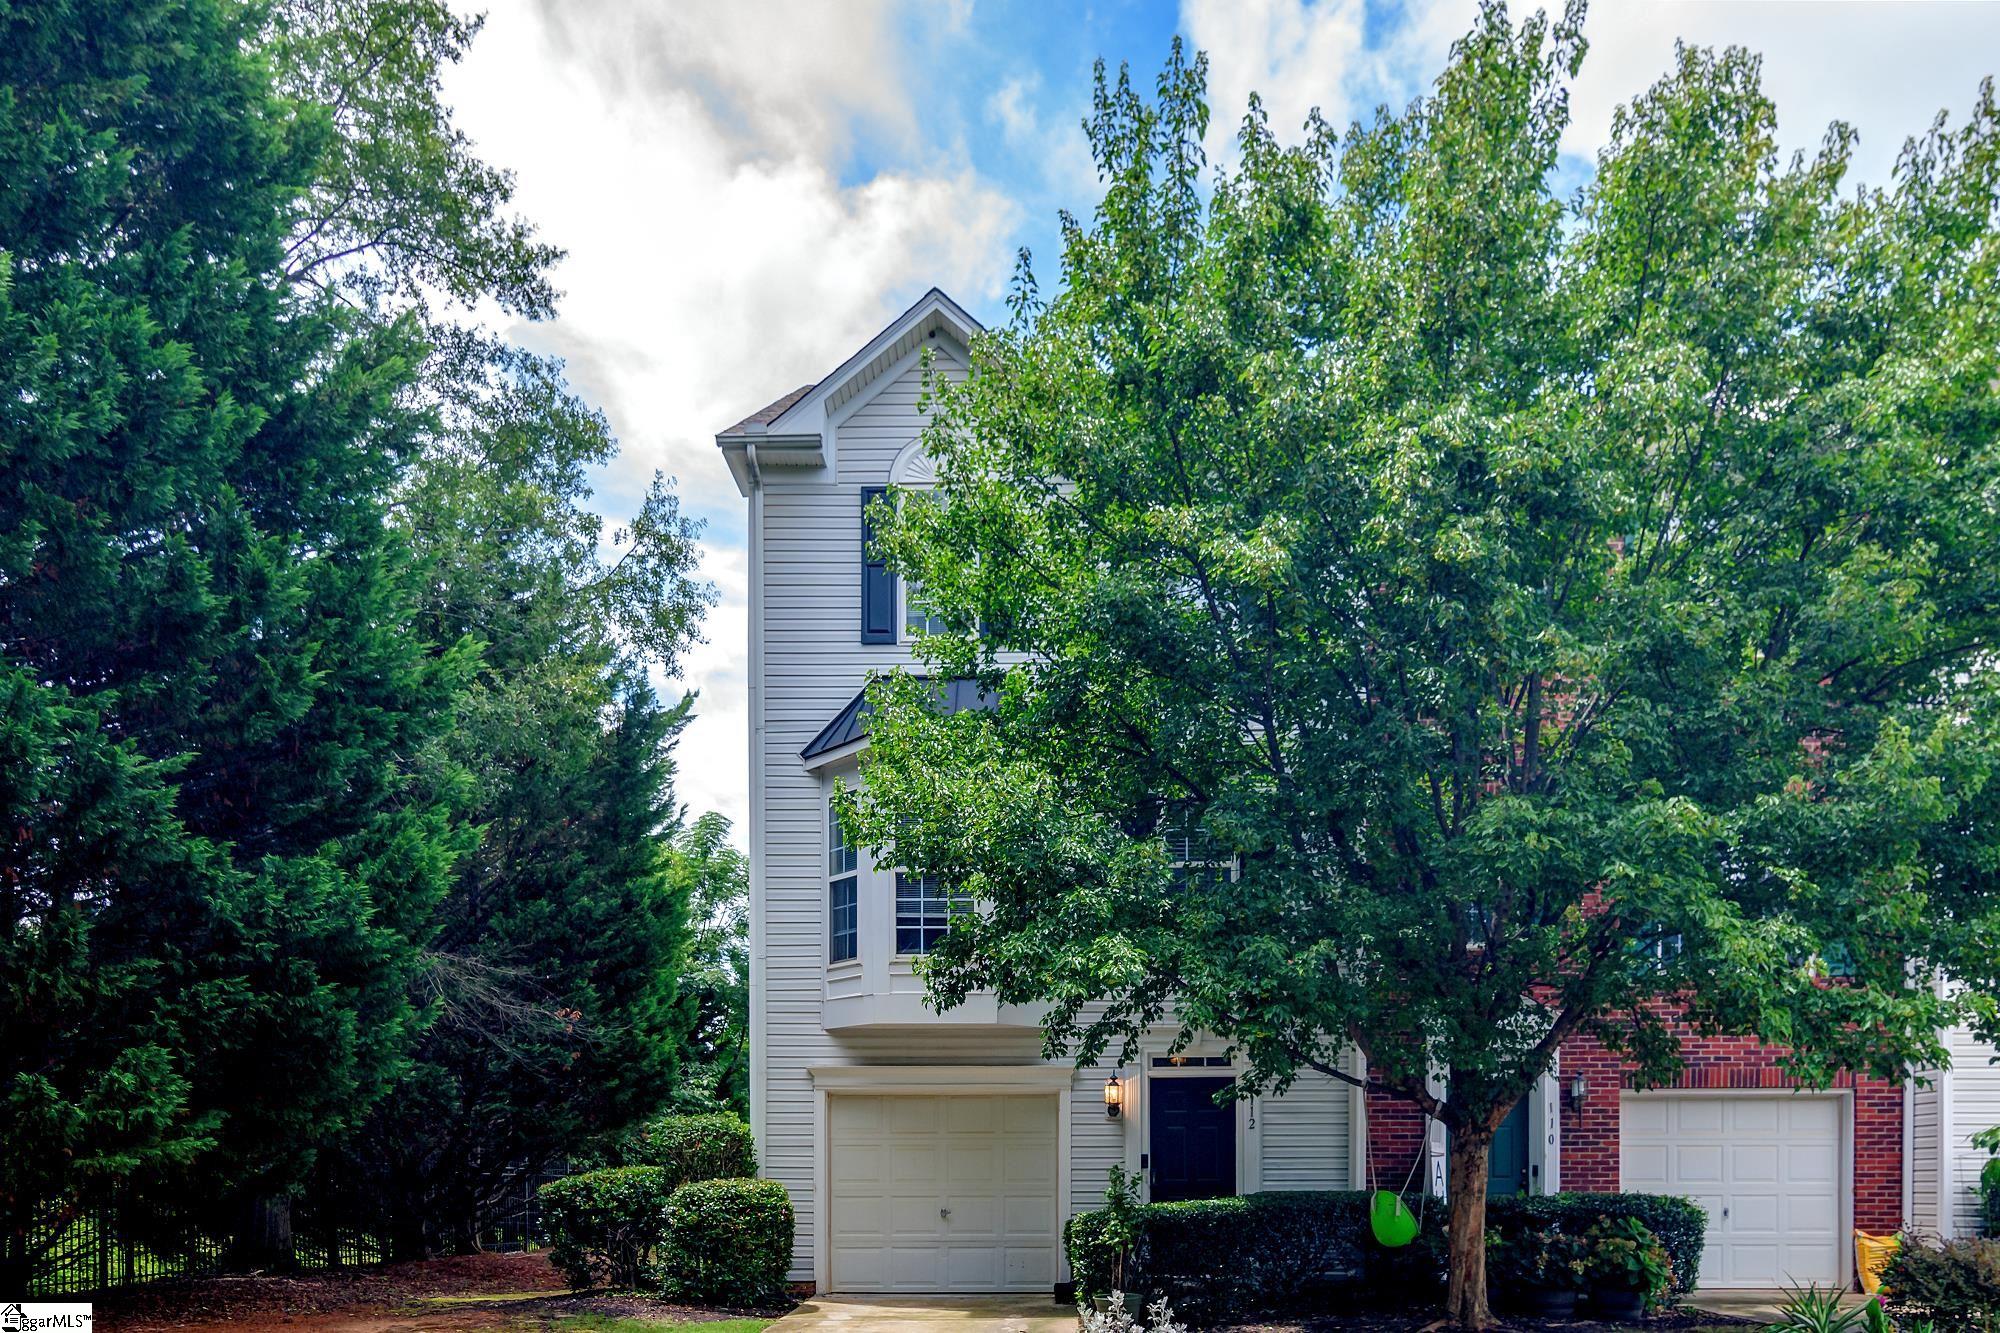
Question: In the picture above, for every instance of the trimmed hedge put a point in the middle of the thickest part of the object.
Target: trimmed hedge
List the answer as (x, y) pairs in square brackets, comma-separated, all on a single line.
[(691, 1147), (1680, 1224), (603, 1226), (1221, 1259), (1956, 1285), (726, 1242)]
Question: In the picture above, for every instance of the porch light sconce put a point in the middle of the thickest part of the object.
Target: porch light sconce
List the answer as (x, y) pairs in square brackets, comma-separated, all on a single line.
[(1577, 1090), (1114, 1097)]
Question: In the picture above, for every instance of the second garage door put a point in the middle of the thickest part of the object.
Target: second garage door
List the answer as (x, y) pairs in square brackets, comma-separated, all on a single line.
[(952, 1193), (1766, 1169)]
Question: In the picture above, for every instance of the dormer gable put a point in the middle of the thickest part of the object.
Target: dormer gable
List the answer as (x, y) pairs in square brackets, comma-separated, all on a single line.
[(797, 430)]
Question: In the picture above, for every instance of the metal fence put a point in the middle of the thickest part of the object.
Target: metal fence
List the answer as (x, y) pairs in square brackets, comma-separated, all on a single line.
[(90, 1245), (114, 1240)]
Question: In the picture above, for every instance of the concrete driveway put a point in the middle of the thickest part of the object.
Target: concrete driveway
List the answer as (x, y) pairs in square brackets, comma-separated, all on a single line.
[(930, 1314)]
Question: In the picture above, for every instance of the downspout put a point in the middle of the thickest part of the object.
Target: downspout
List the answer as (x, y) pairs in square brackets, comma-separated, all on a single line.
[(1909, 1145), (759, 971)]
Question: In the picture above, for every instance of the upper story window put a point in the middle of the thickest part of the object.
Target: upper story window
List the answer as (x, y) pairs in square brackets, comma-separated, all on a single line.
[(917, 618), (892, 610), (843, 865), (924, 912), (1658, 946), (1196, 856)]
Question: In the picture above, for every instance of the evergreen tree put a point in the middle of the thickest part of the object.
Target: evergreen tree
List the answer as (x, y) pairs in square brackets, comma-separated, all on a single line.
[(554, 973), (194, 565), (715, 878), (96, 1059)]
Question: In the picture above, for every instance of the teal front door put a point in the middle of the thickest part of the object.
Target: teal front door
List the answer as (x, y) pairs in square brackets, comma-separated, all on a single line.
[(1507, 1167)]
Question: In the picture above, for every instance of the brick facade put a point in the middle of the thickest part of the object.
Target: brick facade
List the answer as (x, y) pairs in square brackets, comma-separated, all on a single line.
[(1395, 1136), (1590, 1139), (1589, 1154)]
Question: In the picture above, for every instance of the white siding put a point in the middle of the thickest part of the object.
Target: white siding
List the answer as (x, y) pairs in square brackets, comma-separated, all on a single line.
[(1925, 1103), (1974, 1090), (807, 638), (1305, 1135), (813, 663)]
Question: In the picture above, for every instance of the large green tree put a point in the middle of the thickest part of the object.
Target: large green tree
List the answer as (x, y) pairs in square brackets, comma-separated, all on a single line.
[(715, 877), (1564, 615), (338, 795), (551, 984), (200, 599), (553, 979)]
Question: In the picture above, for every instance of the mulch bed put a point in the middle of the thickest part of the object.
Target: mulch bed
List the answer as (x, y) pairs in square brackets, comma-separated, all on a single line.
[(311, 1299), (1408, 1323), (387, 1286)]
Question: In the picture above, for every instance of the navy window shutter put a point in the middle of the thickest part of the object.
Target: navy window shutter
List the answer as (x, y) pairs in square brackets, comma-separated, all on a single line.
[(878, 582)]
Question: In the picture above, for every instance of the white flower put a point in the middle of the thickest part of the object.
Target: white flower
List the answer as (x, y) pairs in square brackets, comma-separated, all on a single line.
[(1117, 1319)]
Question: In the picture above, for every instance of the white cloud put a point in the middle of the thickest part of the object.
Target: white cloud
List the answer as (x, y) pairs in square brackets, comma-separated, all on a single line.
[(1885, 68), (785, 78), (1295, 56), (688, 158), (1056, 143)]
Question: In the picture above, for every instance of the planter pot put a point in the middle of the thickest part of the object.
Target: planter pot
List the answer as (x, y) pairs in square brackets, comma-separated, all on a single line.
[(1135, 1303), (1618, 1303), (1547, 1302)]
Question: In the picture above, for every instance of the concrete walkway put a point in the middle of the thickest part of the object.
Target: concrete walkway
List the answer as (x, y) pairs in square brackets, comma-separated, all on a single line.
[(1755, 1304), (930, 1314)]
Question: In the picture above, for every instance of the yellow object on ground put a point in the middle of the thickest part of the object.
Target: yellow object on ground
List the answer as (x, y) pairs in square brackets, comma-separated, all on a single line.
[(1872, 1253)]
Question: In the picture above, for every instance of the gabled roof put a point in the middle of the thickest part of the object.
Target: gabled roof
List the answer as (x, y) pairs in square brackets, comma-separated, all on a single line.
[(770, 412), (792, 432), (850, 724)]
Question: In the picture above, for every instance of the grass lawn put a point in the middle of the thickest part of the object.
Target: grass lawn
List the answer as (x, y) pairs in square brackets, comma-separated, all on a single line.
[(615, 1323)]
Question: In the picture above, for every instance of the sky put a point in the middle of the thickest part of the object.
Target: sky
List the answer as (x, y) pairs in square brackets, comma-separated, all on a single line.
[(748, 190)]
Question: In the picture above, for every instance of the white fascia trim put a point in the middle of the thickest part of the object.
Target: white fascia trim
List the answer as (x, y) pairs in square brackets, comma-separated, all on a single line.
[(1357, 1122), (933, 1080), (756, 448), (846, 754), (808, 415)]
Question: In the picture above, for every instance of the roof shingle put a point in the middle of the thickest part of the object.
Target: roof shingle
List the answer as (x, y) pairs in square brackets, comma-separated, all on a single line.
[(770, 412)]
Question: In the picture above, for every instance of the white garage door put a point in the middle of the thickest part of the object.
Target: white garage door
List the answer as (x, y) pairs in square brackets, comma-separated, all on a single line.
[(1765, 1168), (943, 1193)]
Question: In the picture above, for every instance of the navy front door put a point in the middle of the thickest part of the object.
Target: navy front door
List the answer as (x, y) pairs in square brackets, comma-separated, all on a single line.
[(1194, 1140), (1507, 1167)]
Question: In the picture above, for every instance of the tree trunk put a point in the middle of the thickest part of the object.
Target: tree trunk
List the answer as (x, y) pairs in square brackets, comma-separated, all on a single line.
[(264, 1234), (1465, 1289)]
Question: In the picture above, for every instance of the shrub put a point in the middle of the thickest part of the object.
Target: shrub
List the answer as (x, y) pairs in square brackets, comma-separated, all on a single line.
[(691, 1147), (1625, 1255), (1956, 1284), (1222, 1259), (727, 1242), (1521, 1258), (1989, 1182), (1679, 1224), (603, 1226)]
